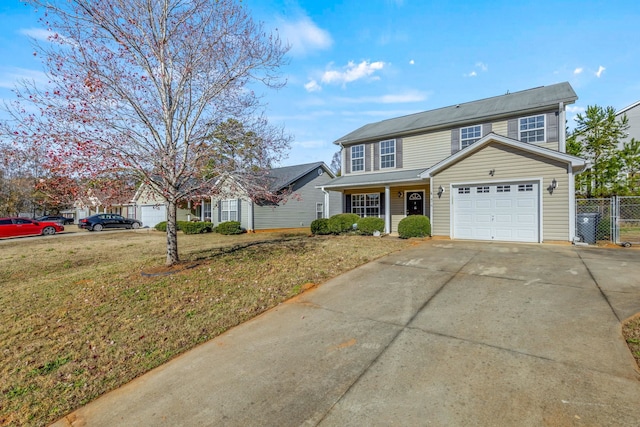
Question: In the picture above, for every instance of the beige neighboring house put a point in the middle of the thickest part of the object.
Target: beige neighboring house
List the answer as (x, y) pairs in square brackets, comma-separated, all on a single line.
[(493, 169), (151, 208)]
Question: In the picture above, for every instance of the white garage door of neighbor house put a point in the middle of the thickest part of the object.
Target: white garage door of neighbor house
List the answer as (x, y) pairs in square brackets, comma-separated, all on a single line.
[(506, 212), (152, 215)]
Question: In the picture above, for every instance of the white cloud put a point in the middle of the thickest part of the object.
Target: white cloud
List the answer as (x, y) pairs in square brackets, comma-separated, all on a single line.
[(352, 72), (578, 70), (412, 62), (304, 36), (574, 109), (36, 33), (482, 66), (9, 77), (395, 98), (600, 71), (312, 86)]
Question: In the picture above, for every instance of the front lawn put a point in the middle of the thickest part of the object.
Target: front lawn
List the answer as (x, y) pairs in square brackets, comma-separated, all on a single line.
[(79, 319)]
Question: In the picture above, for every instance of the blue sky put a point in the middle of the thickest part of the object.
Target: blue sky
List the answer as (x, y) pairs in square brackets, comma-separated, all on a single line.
[(355, 62)]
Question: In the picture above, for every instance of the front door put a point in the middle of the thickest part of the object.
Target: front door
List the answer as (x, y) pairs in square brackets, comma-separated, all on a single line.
[(415, 202)]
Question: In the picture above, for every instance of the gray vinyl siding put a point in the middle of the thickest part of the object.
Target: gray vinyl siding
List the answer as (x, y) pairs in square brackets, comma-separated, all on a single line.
[(510, 165), (367, 157), (299, 210), (399, 153)]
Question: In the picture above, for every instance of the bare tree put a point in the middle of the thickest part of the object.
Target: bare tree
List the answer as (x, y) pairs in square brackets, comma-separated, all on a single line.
[(140, 87)]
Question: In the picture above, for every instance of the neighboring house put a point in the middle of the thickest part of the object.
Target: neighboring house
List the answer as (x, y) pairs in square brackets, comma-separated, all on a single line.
[(493, 169), (304, 201), (633, 116), (93, 202), (151, 208)]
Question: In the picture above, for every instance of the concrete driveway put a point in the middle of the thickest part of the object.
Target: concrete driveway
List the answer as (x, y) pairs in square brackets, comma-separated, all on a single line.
[(444, 334)]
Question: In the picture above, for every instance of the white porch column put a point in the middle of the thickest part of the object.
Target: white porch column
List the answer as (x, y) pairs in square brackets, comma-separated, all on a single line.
[(387, 209), (326, 210), (250, 215)]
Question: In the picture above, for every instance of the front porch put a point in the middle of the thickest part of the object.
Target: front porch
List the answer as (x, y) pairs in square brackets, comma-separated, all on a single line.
[(391, 195)]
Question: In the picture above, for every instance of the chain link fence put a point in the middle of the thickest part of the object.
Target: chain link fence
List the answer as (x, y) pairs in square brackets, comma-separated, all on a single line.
[(627, 210), (615, 219)]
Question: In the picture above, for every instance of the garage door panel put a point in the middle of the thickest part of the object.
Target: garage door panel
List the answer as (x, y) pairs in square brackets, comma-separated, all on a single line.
[(494, 212), (483, 204)]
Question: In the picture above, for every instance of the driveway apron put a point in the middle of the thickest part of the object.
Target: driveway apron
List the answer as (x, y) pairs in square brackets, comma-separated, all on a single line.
[(445, 333)]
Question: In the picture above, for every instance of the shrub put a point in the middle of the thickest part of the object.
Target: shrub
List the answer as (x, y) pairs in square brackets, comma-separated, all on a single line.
[(320, 226), (229, 227), (414, 226), (342, 223), (370, 224), (187, 227), (195, 227)]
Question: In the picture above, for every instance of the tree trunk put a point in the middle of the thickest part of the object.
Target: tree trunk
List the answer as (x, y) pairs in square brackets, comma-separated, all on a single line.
[(172, 234)]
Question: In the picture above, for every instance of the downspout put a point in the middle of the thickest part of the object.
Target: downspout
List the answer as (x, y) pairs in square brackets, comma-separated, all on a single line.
[(572, 203), (325, 213), (431, 202), (562, 129), (387, 209)]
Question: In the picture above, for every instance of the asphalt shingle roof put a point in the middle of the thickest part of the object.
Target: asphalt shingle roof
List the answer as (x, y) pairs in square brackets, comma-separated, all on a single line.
[(283, 177), (475, 111)]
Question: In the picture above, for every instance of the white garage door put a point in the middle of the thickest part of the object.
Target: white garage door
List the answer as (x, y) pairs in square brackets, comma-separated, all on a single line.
[(152, 215), (507, 212)]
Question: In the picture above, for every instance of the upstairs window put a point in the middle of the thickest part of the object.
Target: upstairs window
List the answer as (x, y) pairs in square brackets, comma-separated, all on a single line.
[(469, 135), (357, 158), (532, 129), (388, 154)]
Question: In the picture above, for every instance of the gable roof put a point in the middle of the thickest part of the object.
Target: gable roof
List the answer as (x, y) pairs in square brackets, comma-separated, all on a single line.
[(283, 177), (577, 164), (470, 112)]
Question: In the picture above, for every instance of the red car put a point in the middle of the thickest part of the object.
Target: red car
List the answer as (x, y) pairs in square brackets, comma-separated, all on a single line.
[(13, 227)]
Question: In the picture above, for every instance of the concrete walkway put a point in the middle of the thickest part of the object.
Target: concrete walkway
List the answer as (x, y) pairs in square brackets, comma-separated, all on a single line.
[(444, 334)]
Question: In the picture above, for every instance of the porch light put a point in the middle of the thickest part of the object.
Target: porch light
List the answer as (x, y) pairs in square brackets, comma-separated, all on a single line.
[(400, 194), (440, 191), (554, 184)]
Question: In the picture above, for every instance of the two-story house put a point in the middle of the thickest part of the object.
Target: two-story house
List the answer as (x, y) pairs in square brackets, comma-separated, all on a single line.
[(493, 169)]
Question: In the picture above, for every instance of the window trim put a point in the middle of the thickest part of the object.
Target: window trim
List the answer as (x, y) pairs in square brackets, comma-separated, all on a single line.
[(462, 146), (361, 158), (391, 154), (366, 206), (228, 210), (319, 210), (544, 128)]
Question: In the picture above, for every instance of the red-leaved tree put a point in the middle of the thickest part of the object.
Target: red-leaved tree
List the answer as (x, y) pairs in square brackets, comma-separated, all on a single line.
[(141, 88)]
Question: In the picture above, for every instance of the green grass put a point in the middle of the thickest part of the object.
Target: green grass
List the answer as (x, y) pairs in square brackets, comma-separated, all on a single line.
[(79, 319)]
